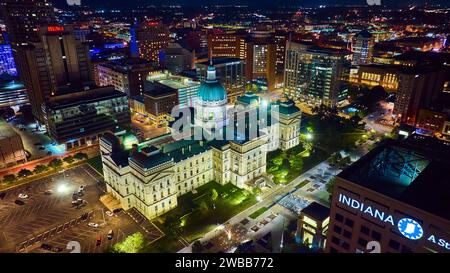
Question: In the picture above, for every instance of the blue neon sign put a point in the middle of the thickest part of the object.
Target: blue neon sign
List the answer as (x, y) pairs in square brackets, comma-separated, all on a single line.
[(410, 228)]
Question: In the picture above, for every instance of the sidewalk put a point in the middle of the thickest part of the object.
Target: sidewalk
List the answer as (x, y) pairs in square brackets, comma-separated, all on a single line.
[(90, 150)]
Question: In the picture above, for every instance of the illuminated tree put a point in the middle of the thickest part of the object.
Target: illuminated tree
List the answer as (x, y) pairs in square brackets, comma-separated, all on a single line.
[(24, 173), (132, 244), (69, 159), (55, 163), (40, 169), (214, 194), (9, 178)]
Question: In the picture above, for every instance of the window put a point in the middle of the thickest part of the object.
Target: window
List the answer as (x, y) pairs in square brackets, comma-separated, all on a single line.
[(335, 240), (406, 249), (394, 244), (376, 235), (337, 229), (362, 242), (365, 230), (349, 222), (339, 218), (347, 234), (345, 245)]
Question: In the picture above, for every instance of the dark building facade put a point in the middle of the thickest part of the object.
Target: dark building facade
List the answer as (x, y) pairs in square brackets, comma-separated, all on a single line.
[(126, 75), (51, 65), (230, 73), (397, 196), (148, 39), (79, 118)]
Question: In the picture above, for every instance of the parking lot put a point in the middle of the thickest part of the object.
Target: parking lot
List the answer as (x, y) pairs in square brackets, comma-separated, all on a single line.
[(52, 219)]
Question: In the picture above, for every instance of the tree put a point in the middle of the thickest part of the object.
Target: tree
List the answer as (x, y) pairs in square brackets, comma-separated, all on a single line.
[(132, 244), (296, 163), (55, 163), (69, 159), (214, 194), (9, 178), (40, 169), (24, 173), (173, 224), (330, 187), (80, 156)]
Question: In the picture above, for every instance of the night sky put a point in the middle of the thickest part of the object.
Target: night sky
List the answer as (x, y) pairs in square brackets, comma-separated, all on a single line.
[(133, 3)]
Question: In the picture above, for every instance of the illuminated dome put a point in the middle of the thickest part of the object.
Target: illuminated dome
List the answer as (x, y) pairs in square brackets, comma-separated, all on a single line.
[(211, 91)]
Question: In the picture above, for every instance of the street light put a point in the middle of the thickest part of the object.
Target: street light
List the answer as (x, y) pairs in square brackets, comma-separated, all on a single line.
[(258, 198), (62, 188), (309, 136)]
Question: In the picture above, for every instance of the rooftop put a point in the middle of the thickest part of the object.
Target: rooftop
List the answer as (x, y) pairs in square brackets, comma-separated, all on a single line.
[(217, 61), (127, 64), (184, 149), (316, 211), (81, 97), (413, 171), (6, 130), (10, 86), (148, 160)]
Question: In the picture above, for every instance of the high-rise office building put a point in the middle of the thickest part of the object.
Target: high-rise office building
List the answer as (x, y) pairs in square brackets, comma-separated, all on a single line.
[(418, 87), (7, 63), (226, 45), (261, 57), (80, 117), (126, 75), (48, 67), (23, 17), (280, 51), (395, 196), (148, 39), (177, 57), (316, 75), (185, 87), (230, 73), (362, 48)]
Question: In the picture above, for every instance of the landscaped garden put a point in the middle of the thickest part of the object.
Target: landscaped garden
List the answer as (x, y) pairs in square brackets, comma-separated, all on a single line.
[(211, 205), (258, 212), (287, 165)]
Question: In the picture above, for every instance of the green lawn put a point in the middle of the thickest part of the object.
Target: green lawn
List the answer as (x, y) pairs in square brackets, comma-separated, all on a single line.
[(257, 213), (302, 184), (197, 214), (96, 163)]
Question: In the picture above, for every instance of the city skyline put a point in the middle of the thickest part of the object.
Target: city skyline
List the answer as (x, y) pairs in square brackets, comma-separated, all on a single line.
[(262, 129)]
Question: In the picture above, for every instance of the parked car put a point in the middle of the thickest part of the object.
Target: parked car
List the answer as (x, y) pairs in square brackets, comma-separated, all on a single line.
[(98, 242), (48, 192), (94, 225), (110, 234), (117, 210), (19, 202), (74, 195), (23, 196), (109, 213), (46, 246), (81, 189), (77, 202), (57, 249)]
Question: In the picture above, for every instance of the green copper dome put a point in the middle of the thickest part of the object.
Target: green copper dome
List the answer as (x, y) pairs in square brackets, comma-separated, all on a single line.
[(211, 90)]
